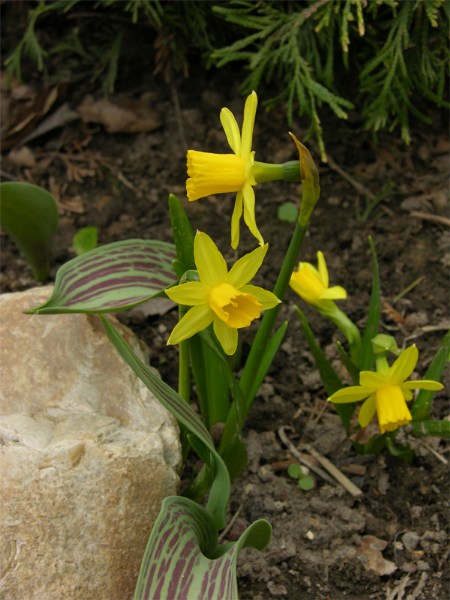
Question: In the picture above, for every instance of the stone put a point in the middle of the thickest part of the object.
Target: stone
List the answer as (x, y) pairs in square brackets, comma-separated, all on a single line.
[(87, 456)]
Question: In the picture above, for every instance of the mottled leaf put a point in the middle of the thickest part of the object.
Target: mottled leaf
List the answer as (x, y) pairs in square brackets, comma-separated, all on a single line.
[(200, 440), (112, 277), (183, 559)]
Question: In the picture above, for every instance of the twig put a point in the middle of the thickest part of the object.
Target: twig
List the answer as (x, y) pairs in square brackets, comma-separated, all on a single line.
[(407, 289), (427, 217), (416, 591), (344, 481), (7, 175), (399, 591), (427, 329), (359, 187), (434, 452), (231, 523), (303, 458)]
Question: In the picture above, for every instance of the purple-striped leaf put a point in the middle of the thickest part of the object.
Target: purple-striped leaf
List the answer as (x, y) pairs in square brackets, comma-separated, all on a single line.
[(112, 277), (184, 560), (201, 440)]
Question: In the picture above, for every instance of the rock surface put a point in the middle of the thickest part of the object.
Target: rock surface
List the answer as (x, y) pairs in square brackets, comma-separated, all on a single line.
[(87, 455)]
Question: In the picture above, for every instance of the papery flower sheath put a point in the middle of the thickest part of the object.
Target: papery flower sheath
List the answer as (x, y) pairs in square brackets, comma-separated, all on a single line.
[(210, 173), (221, 297), (387, 392), (311, 284)]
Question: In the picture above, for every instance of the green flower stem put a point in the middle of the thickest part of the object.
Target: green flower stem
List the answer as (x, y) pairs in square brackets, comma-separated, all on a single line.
[(349, 330), (288, 171), (265, 330), (381, 362), (184, 376), (184, 383), (239, 411)]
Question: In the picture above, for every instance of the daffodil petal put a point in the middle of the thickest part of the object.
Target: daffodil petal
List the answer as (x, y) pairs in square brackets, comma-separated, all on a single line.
[(404, 365), (248, 194), (231, 129), (367, 411), (265, 298), (196, 319), (189, 294), (210, 263), (227, 336), (251, 105), (372, 380), (235, 219), (354, 393), (246, 267), (422, 384), (335, 292), (407, 394), (322, 269)]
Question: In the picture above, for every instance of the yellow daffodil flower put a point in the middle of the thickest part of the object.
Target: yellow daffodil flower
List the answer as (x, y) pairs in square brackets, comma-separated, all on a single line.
[(220, 297), (386, 392), (311, 284), (210, 173)]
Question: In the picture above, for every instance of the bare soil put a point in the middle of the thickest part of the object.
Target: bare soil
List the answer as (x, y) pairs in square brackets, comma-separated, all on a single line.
[(392, 542)]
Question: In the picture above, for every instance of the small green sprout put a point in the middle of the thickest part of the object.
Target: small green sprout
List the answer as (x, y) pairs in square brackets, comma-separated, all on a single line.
[(85, 240), (287, 212), (304, 480)]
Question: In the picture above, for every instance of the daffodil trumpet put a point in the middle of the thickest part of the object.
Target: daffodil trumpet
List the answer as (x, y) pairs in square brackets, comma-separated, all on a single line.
[(386, 391)]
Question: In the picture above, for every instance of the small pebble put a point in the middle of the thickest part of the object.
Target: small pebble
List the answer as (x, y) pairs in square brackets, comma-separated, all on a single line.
[(410, 540)]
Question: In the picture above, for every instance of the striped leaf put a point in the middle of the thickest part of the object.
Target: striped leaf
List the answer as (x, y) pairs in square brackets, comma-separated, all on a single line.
[(201, 440), (183, 559), (112, 277)]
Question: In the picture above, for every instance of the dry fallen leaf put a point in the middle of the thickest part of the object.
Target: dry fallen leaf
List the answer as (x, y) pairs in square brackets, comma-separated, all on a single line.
[(120, 115), (24, 113), (22, 157), (370, 555)]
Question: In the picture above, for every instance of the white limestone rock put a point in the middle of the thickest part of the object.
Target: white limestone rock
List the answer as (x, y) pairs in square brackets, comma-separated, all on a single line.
[(87, 455)]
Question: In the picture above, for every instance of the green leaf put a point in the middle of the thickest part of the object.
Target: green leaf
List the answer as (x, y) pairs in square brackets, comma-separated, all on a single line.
[(399, 450), (295, 471), (85, 240), (328, 375), (212, 376), (183, 236), (352, 369), (235, 457), (436, 428), (306, 483), (112, 277), (29, 215), (373, 318), (183, 559), (267, 359), (203, 444), (422, 404), (288, 212)]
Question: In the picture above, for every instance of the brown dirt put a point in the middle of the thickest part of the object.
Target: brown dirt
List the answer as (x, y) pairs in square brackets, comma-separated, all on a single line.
[(326, 545)]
